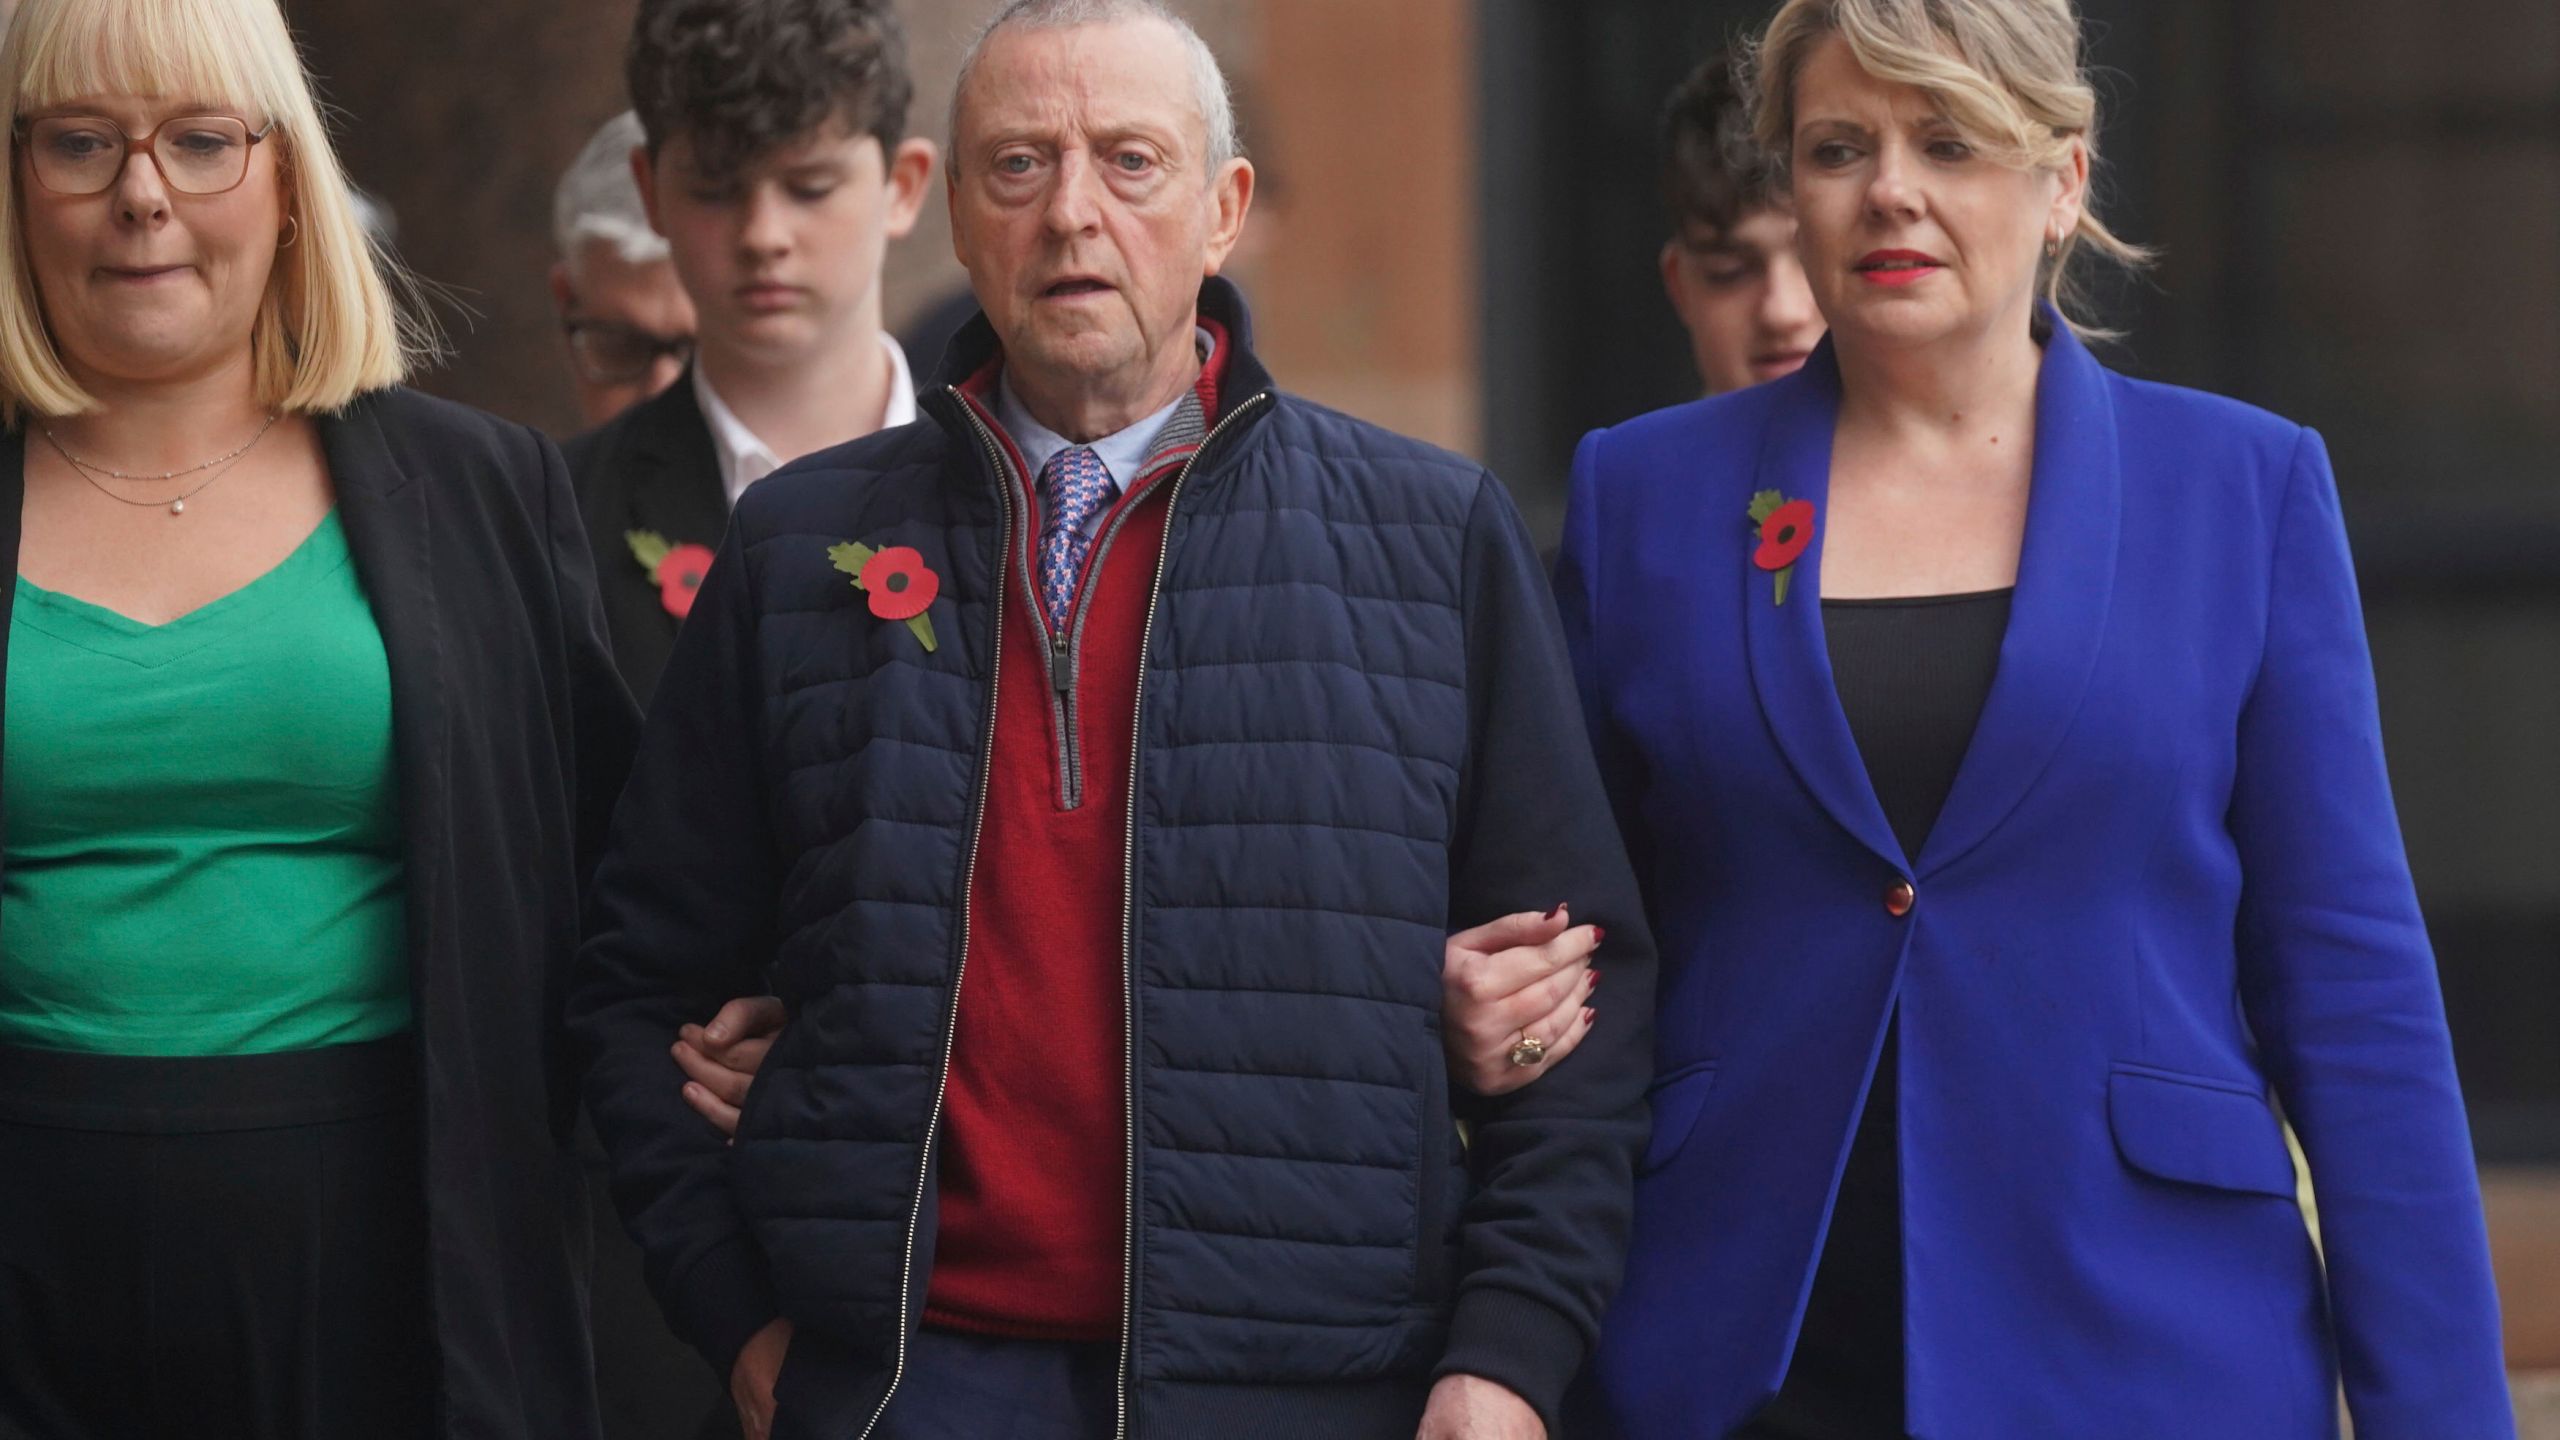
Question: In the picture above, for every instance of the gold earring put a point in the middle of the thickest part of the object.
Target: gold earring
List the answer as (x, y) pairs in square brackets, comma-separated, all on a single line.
[(293, 232)]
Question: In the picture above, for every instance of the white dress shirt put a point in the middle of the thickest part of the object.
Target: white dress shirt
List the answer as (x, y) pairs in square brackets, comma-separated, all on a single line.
[(746, 459), (1121, 452)]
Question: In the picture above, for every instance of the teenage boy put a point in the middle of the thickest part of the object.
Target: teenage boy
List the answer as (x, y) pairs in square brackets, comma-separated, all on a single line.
[(775, 162), (1730, 265)]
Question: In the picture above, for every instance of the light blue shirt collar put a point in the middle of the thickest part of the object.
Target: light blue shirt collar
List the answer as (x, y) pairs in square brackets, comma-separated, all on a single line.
[(1121, 452)]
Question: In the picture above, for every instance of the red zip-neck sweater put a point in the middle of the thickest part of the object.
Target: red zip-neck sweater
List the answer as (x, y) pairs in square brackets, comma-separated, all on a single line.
[(1034, 1157)]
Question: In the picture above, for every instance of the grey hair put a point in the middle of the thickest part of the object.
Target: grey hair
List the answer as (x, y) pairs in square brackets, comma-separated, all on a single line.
[(597, 199), (1217, 103)]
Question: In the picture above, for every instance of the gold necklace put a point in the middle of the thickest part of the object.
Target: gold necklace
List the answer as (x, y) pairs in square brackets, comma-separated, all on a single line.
[(178, 504)]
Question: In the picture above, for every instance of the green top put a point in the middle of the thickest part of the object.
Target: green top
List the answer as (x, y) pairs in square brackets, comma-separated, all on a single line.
[(203, 824)]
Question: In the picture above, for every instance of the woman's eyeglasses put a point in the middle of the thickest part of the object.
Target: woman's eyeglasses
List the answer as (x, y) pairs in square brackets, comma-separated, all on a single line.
[(84, 154)]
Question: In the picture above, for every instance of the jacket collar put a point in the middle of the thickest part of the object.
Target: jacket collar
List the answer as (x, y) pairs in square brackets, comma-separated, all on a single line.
[(671, 478), (390, 529), (975, 349), (2057, 620)]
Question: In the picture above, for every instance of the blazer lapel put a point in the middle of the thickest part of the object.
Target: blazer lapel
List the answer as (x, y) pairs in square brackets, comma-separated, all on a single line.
[(389, 529), (675, 487), (1790, 660), (2057, 620)]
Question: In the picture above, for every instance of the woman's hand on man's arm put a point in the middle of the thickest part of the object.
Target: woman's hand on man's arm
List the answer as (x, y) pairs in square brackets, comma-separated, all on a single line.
[(1519, 987)]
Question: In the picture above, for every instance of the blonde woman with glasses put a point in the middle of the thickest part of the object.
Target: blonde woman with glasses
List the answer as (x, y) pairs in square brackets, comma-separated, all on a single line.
[(308, 733), (2011, 807)]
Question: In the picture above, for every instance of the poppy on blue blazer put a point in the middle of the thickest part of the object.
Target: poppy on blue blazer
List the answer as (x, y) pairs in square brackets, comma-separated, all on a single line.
[(2167, 890)]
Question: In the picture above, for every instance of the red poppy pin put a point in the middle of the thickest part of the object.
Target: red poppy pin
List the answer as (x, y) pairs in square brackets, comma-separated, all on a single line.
[(900, 584), (1785, 528), (676, 570)]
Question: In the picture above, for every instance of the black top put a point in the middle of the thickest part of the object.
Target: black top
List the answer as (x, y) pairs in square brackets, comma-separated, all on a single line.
[(1912, 675)]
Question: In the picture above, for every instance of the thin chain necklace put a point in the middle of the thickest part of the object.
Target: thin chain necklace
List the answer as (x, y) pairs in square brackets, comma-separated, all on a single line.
[(178, 504)]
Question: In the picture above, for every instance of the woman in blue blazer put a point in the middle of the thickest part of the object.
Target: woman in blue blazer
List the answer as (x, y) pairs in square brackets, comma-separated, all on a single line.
[(1996, 739)]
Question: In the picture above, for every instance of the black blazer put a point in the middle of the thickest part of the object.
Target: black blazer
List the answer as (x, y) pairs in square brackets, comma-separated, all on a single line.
[(652, 467), (513, 735)]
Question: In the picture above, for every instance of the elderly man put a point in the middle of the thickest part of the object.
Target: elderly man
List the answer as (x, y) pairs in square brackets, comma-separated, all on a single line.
[(628, 322), (1097, 771)]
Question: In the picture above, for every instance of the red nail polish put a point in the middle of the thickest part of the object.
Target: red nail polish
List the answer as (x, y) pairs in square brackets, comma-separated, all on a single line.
[(1556, 911), (1595, 977), (1599, 933), (1589, 1015)]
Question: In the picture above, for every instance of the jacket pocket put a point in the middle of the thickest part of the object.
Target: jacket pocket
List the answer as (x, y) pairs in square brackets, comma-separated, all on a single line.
[(2198, 1131), (1675, 1099)]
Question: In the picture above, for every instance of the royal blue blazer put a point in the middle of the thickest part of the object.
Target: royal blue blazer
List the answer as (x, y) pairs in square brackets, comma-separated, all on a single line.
[(2166, 895)]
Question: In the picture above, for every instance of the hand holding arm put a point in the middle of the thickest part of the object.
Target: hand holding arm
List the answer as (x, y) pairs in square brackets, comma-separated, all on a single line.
[(1525, 975), (720, 1059)]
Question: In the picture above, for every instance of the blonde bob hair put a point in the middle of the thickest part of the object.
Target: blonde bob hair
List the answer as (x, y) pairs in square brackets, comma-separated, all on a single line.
[(2005, 73), (329, 328)]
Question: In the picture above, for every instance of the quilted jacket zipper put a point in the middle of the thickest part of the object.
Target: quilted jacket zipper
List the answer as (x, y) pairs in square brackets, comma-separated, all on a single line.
[(1066, 652), (960, 960), (1062, 648), (1129, 926)]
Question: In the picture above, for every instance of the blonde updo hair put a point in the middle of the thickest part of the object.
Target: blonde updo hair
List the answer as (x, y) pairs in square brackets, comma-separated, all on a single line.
[(329, 328), (2005, 73)]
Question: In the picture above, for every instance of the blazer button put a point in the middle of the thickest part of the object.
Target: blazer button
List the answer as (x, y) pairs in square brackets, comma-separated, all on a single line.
[(1899, 897)]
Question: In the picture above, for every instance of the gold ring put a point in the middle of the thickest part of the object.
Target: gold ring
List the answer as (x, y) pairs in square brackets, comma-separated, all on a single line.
[(1528, 1050)]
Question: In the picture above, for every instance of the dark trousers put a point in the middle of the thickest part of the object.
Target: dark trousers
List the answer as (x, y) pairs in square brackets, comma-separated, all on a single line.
[(225, 1248), (970, 1387)]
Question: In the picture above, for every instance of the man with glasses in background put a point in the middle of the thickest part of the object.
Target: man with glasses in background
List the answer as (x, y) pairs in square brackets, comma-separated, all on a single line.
[(774, 162), (628, 321)]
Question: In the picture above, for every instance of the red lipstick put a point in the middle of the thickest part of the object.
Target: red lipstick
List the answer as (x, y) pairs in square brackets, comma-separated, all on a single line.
[(1897, 267)]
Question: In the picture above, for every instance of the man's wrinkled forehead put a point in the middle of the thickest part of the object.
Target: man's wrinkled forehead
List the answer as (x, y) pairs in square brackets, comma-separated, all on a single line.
[(1121, 77)]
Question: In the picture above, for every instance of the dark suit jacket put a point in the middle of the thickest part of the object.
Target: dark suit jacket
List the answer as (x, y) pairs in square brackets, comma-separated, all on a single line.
[(513, 735), (650, 468)]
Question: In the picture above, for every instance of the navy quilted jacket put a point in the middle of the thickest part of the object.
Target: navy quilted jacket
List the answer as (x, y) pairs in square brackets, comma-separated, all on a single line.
[(1357, 732)]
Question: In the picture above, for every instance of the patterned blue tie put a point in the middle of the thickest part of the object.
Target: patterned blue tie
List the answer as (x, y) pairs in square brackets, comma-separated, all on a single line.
[(1074, 486)]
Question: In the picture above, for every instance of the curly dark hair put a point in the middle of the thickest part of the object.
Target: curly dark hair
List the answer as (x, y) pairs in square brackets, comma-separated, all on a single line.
[(740, 78), (1713, 171)]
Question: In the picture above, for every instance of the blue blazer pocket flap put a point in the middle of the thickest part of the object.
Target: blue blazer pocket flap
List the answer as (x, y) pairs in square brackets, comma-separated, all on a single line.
[(1676, 1099), (2198, 1131)]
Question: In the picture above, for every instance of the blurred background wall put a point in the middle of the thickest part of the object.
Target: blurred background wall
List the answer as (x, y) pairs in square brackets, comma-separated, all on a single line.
[(2358, 203)]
